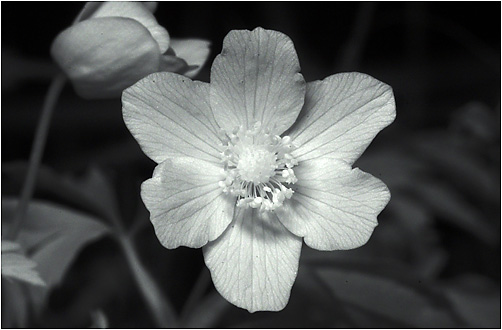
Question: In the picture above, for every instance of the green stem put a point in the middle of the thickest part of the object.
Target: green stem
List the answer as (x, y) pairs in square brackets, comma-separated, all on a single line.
[(37, 152)]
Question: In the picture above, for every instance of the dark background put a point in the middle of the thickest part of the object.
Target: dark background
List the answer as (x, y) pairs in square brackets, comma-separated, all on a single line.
[(442, 155)]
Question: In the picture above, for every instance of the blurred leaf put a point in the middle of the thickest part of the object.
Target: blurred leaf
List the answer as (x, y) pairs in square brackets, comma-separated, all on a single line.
[(397, 167), (90, 192), (52, 236), (15, 304), (96, 187), (160, 306), (466, 170), (419, 244), (8, 246), (476, 299), (388, 297), (99, 320), (451, 206), (476, 119), (15, 265)]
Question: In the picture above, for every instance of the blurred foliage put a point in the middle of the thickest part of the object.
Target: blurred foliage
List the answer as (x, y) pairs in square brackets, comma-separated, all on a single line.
[(15, 265), (434, 259), (52, 236)]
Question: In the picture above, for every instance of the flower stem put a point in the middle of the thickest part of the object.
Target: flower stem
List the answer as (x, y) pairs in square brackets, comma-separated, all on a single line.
[(161, 310), (37, 151), (198, 290)]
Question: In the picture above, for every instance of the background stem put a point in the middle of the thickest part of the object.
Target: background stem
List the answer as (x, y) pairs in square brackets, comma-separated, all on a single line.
[(37, 151), (196, 294), (161, 310)]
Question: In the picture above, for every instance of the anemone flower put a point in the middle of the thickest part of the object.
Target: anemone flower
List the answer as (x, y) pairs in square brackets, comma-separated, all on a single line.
[(256, 161)]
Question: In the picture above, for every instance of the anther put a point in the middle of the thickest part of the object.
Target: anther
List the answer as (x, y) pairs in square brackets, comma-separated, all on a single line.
[(257, 167)]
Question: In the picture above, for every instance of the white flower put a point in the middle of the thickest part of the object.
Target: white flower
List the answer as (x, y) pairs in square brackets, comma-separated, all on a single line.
[(231, 180)]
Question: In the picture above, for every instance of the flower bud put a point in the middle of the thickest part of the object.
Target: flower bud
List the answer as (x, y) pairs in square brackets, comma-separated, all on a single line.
[(112, 45)]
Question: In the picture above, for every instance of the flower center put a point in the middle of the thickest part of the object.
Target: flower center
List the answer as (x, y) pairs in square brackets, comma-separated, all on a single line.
[(258, 168), (256, 164)]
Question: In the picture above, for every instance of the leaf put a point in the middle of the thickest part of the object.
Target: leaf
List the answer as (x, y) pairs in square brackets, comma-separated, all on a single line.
[(388, 296), (466, 169), (15, 265), (411, 223), (476, 299), (52, 236), (451, 206), (90, 192), (99, 320), (395, 166), (476, 119), (14, 304), (95, 186)]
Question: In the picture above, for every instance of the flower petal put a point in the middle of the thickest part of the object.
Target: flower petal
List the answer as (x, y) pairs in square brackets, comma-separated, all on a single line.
[(334, 207), (256, 78), (185, 202), (150, 5), (254, 263), (170, 116), (91, 7), (341, 116), (87, 10), (139, 12), (103, 56), (172, 63), (193, 51)]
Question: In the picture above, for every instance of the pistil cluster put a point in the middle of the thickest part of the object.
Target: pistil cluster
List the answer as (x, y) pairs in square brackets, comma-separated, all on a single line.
[(258, 168)]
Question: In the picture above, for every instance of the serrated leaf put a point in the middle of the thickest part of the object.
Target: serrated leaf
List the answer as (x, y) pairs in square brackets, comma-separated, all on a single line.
[(52, 235), (16, 266)]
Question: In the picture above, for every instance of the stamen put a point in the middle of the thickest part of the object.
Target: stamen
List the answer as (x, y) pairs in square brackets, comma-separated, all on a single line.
[(258, 168)]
